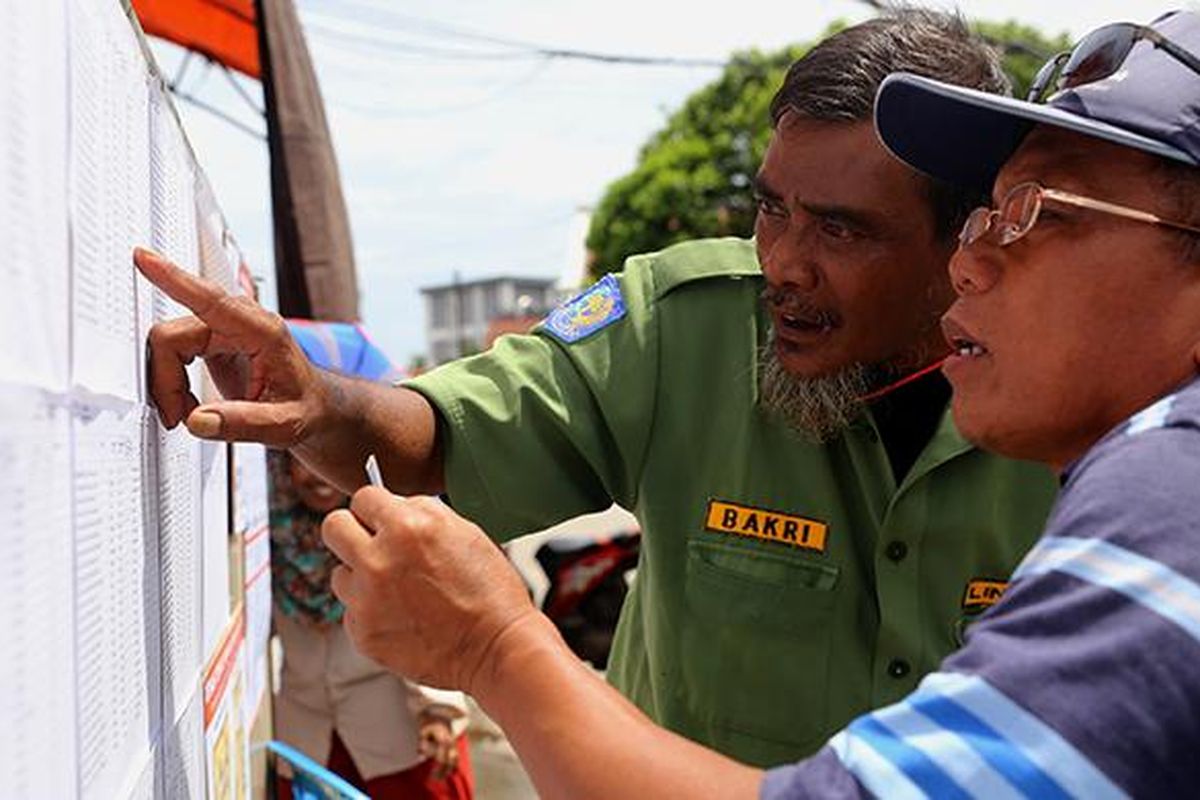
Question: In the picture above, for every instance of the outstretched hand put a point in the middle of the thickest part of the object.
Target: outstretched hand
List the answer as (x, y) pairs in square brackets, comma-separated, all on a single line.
[(427, 594), (273, 395)]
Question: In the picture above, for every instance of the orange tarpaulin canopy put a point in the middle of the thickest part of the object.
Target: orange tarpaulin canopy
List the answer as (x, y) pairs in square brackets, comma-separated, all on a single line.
[(223, 30)]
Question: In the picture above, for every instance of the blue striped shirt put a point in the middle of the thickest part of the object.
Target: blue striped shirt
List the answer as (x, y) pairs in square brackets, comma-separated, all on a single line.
[(1082, 681)]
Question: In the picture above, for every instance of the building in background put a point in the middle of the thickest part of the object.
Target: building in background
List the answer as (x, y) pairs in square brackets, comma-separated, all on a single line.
[(464, 317)]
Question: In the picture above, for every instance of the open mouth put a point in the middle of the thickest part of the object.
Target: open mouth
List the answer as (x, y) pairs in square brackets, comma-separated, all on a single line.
[(795, 316), (814, 324), (967, 348), (962, 341)]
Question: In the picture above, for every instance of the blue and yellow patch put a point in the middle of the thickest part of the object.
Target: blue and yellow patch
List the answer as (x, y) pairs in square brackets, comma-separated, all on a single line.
[(598, 307)]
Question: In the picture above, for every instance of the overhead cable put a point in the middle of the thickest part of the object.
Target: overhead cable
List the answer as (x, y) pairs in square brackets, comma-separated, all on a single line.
[(415, 25)]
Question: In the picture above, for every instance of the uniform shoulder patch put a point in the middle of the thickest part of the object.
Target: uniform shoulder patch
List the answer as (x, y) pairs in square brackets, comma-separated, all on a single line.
[(593, 309)]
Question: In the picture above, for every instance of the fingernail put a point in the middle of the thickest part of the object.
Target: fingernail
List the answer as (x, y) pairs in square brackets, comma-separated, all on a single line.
[(143, 253), (204, 424)]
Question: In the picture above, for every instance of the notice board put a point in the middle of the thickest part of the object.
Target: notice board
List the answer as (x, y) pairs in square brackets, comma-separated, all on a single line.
[(116, 552)]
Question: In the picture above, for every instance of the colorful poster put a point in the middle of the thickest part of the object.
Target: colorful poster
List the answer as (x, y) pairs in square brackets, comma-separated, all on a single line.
[(226, 743)]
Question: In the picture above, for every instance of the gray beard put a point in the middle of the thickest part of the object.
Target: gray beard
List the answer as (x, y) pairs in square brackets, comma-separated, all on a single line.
[(819, 408)]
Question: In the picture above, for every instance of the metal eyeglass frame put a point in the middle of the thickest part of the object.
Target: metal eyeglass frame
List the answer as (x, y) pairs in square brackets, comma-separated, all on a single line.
[(983, 220)]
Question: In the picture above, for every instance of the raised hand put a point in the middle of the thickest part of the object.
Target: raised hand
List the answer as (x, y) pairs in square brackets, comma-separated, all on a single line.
[(272, 393)]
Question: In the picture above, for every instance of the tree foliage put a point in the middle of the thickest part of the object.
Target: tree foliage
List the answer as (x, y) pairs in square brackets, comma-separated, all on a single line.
[(1025, 50), (694, 176)]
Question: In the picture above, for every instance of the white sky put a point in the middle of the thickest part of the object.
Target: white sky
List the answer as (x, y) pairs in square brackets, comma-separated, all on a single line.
[(480, 166)]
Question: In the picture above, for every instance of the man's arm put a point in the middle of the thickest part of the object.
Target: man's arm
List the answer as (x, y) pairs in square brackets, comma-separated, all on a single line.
[(579, 738), (1079, 683), (466, 620), (273, 395), (396, 424)]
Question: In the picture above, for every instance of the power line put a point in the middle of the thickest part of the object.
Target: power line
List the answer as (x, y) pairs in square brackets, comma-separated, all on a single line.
[(241, 90), (409, 24), (495, 94), (183, 68), (437, 29), (216, 112), (394, 46)]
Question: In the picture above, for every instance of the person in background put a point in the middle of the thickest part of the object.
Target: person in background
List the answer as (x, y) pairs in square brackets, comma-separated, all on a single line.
[(387, 736), (1076, 337)]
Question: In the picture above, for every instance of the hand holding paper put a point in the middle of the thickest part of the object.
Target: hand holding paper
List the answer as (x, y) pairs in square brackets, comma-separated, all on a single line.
[(427, 594)]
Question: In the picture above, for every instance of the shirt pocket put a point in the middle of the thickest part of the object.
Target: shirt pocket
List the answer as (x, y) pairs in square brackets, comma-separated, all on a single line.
[(757, 644)]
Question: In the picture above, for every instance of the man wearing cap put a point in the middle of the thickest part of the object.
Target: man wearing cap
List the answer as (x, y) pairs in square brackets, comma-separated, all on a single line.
[(1077, 343), (816, 534)]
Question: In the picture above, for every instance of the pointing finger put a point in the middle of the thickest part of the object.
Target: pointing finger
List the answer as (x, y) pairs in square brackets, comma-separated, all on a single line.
[(197, 294), (238, 321)]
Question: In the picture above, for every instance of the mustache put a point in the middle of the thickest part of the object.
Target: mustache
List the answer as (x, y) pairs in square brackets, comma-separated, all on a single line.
[(794, 304)]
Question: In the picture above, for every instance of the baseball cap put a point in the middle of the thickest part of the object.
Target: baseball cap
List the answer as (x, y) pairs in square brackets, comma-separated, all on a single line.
[(964, 136)]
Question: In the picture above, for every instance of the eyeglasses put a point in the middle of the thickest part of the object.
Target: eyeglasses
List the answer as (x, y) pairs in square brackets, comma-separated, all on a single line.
[(1019, 210), (1100, 54)]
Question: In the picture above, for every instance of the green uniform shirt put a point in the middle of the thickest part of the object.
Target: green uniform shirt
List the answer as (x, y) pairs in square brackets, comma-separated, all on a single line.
[(784, 587)]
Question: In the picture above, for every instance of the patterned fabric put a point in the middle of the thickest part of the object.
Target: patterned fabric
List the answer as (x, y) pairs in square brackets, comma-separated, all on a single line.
[(300, 563), (1081, 682)]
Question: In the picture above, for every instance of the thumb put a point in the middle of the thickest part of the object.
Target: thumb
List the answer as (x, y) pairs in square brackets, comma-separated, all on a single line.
[(272, 424)]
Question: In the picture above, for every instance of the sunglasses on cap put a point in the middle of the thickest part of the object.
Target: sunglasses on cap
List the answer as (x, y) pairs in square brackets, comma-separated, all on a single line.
[(1099, 55)]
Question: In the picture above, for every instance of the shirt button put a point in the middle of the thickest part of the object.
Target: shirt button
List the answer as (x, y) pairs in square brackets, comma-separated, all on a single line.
[(898, 668), (896, 551)]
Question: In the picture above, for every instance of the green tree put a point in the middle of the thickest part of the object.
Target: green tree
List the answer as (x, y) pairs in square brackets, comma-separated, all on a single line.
[(694, 176), (1025, 50)]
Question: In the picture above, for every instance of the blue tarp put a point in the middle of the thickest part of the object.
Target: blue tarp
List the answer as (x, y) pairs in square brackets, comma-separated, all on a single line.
[(343, 347)]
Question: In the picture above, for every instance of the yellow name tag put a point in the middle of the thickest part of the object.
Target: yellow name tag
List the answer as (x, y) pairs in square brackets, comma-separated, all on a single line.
[(758, 523), (982, 593)]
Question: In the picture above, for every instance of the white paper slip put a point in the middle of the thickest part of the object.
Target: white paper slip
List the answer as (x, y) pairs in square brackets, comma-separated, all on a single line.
[(183, 751), (258, 615), (37, 676), (172, 197), (250, 492), (116, 598), (109, 190), (214, 541), (373, 473), (34, 306), (177, 528)]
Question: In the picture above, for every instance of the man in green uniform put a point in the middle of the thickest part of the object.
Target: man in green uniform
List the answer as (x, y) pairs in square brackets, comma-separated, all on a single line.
[(816, 534)]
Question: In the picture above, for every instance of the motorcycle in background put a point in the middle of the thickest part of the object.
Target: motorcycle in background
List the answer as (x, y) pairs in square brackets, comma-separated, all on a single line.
[(589, 577)]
